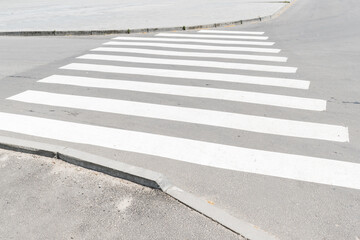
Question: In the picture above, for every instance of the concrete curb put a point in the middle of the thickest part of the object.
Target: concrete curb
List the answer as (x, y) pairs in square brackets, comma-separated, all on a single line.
[(140, 176), (145, 30)]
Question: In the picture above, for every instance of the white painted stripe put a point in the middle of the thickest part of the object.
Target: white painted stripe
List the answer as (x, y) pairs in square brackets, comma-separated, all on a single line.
[(297, 167), (195, 40), (210, 36), (191, 115), (192, 63), (191, 54), (268, 81), (197, 47), (189, 91), (231, 32)]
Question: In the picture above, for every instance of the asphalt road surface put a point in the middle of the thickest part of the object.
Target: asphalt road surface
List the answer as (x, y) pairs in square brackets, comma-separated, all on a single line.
[(43, 198), (266, 128), (40, 15)]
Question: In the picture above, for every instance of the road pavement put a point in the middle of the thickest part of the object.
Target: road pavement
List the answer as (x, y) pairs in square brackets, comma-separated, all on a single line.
[(44, 198), (269, 136), (23, 54), (66, 15)]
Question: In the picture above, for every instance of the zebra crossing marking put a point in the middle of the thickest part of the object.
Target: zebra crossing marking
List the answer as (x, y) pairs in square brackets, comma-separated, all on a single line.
[(197, 47), (266, 81), (224, 42), (187, 35), (244, 122), (230, 32), (193, 63), (190, 54), (191, 91), (283, 165)]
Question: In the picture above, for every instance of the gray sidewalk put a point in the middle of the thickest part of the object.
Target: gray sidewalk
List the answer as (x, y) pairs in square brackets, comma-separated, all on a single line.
[(85, 15), (43, 198)]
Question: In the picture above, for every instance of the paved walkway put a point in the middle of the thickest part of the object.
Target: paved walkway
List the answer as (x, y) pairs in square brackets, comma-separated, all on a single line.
[(43, 198), (66, 15)]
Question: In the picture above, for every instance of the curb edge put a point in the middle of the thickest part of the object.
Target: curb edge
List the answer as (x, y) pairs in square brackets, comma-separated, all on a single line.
[(139, 176), (146, 30)]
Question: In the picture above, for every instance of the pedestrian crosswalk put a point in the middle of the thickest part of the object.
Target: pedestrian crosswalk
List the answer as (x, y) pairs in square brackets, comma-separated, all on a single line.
[(196, 152), (190, 91), (191, 54), (230, 32), (196, 40), (189, 46), (196, 63), (211, 36), (169, 73), (190, 115), (200, 57)]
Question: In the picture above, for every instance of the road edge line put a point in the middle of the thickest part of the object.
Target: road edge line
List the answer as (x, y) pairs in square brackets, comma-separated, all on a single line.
[(139, 176)]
